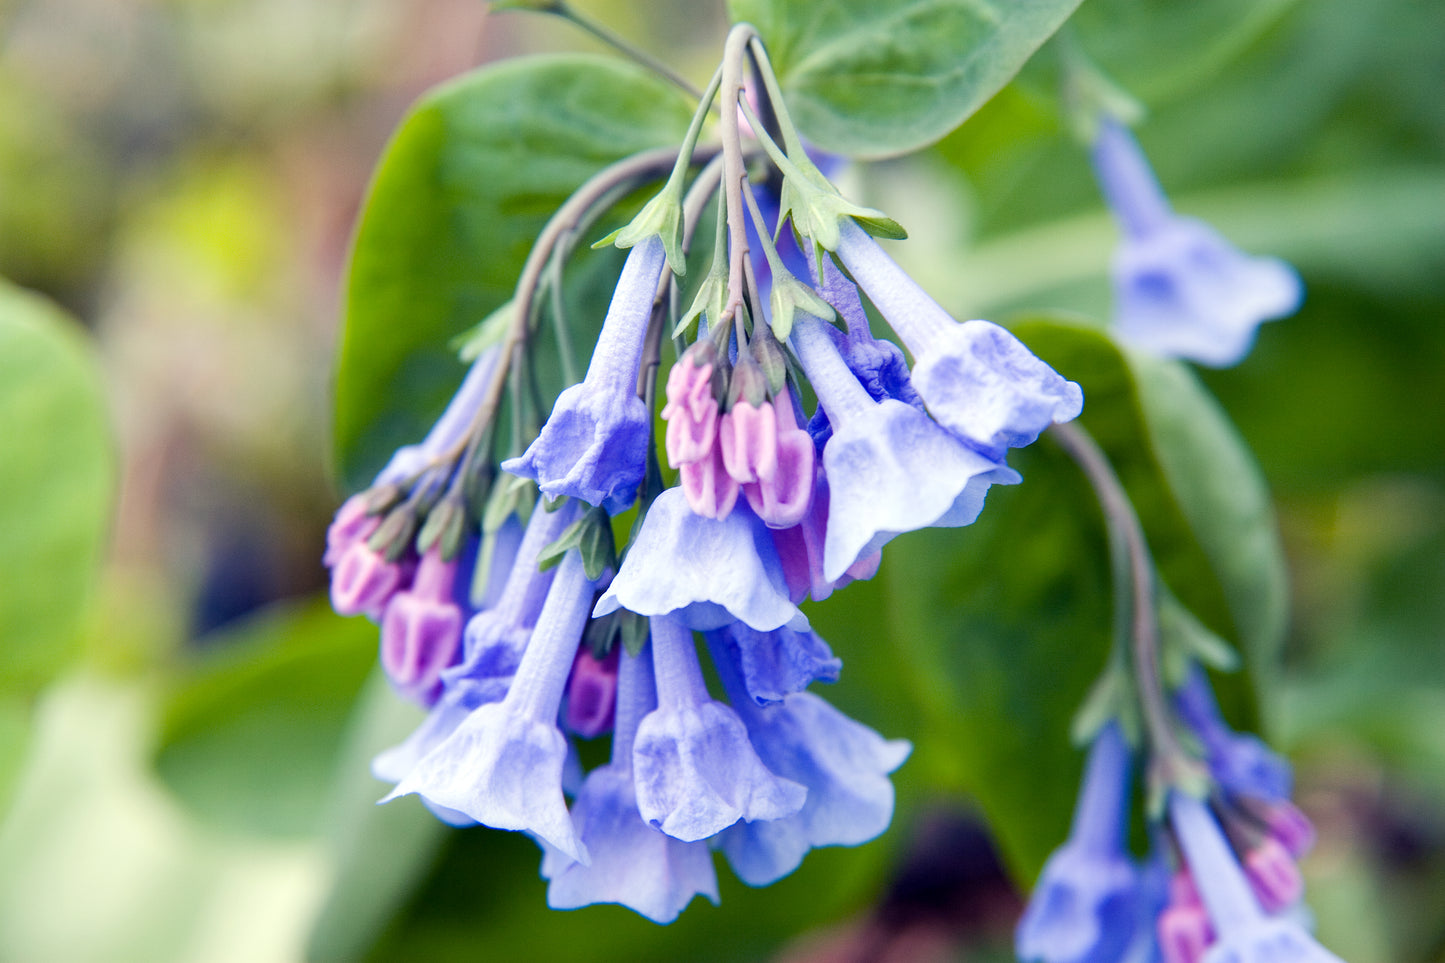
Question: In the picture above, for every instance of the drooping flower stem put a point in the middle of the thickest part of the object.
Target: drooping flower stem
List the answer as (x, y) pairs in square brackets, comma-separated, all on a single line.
[(734, 170), (1171, 763)]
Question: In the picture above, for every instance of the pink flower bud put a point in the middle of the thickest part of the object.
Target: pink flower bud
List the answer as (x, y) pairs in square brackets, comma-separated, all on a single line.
[(782, 499), (1182, 891), (592, 694), (363, 581), (1288, 824), (748, 437), (1273, 875), (1184, 934), (690, 412), (421, 630), (711, 492), (351, 525)]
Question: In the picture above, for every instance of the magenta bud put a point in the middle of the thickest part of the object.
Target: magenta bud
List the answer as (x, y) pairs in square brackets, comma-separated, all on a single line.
[(748, 438), (1288, 824), (1273, 875), (1184, 933), (363, 581), (353, 522), (422, 629), (592, 694), (711, 492), (690, 412), (782, 500)]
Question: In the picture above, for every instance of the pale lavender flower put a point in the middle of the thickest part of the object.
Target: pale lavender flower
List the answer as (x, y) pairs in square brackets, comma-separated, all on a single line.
[(1182, 290), (594, 445), (697, 773), (1084, 906), (977, 380), (778, 663), (706, 572), (633, 863), (890, 468)]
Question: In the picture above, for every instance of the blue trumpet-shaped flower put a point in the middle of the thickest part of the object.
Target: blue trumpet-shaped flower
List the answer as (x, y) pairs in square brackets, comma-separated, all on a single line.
[(594, 444), (977, 380), (1243, 932), (502, 766), (890, 468), (706, 572), (1239, 762), (778, 663), (697, 773), (843, 764), (633, 863), (1085, 903), (1182, 291)]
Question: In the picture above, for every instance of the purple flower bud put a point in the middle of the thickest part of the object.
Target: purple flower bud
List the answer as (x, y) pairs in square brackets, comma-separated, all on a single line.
[(696, 771), (691, 411), (591, 694), (1084, 905), (1184, 933), (1182, 291), (705, 572), (1243, 931), (632, 863), (800, 549), (1288, 824), (780, 490), (1241, 764), (594, 445), (1273, 875), (352, 524), (978, 380), (843, 764), (503, 765), (421, 629), (890, 468), (363, 581), (710, 491)]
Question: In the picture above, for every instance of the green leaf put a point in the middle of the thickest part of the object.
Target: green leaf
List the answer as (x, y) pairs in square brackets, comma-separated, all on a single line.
[(462, 191), (57, 475), (250, 728), (869, 78)]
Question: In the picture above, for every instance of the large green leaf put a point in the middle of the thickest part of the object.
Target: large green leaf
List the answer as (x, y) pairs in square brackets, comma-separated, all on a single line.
[(251, 725), (464, 187), (57, 474), (870, 78)]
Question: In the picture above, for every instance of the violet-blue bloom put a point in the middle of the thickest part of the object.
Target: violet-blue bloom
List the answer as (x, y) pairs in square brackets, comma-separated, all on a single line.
[(633, 864), (503, 765), (1240, 763), (594, 444), (1085, 902), (696, 771), (1182, 290), (890, 468), (843, 764), (977, 380), (449, 430), (1244, 933), (778, 663), (706, 572)]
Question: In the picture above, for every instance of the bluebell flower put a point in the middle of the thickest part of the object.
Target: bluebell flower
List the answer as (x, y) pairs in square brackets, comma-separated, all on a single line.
[(778, 663), (843, 764), (594, 444), (633, 863), (1085, 903), (1240, 763), (890, 468), (1181, 290), (1243, 932), (451, 428), (977, 380), (502, 766), (696, 771), (706, 572)]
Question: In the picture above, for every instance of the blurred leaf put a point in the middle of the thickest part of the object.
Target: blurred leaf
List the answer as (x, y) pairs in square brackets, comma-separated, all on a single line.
[(874, 79), (462, 191), (56, 475), (250, 729), (381, 852)]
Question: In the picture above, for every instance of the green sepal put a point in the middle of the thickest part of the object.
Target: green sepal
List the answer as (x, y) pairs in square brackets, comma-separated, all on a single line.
[(816, 207), (591, 535), (471, 343), (382, 497), (1111, 698), (621, 625), (660, 217), (445, 526), (770, 358), (748, 383), (1174, 775), (394, 536), (1184, 639), (510, 496), (635, 629), (711, 300), (790, 295)]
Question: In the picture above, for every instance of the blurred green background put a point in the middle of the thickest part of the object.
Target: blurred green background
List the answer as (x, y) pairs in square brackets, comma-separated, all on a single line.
[(183, 767)]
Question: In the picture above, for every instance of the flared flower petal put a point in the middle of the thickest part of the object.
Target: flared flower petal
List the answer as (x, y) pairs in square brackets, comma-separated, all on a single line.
[(706, 572), (421, 630), (779, 663)]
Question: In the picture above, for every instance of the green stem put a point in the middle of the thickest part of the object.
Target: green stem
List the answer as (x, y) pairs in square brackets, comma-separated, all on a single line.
[(563, 10), (734, 169)]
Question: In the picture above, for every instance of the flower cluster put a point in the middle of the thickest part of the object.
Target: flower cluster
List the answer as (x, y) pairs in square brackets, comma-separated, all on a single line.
[(1222, 884), (522, 634)]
